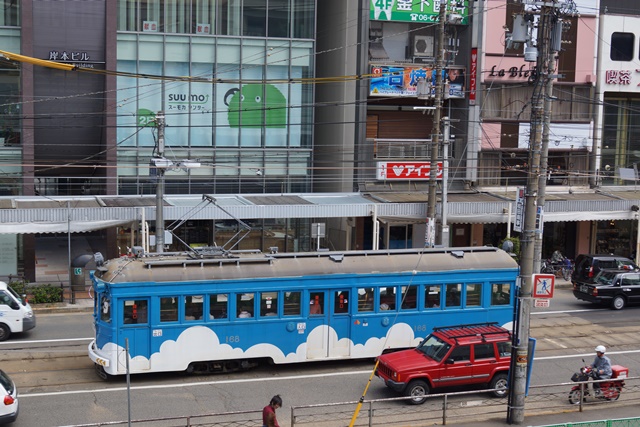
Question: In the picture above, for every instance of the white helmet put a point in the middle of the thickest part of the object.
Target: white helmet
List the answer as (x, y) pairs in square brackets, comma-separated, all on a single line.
[(601, 349)]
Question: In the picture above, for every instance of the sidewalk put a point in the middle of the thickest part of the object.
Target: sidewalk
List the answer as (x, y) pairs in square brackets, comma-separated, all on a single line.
[(592, 413)]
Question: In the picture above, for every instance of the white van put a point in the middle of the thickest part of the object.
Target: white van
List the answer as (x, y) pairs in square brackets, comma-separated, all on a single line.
[(16, 314)]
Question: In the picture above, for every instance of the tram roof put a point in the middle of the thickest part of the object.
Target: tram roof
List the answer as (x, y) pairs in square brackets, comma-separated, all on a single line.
[(156, 268), (44, 214)]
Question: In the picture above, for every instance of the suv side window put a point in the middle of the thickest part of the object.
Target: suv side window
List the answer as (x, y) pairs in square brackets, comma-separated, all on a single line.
[(483, 351), (504, 349), (604, 264), (461, 353)]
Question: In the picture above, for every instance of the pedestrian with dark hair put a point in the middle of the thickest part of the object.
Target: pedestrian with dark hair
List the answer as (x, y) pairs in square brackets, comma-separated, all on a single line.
[(269, 412)]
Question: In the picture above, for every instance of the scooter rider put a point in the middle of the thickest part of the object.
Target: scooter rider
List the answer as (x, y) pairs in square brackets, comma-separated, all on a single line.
[(601, 365)]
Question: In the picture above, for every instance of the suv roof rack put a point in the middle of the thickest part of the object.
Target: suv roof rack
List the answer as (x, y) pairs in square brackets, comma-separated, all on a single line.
[(471, 330)]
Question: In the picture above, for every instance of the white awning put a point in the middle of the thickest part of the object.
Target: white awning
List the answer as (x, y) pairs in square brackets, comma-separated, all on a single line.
[(58, 227)]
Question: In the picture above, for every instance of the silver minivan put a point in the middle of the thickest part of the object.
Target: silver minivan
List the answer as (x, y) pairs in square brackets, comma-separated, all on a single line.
[(9, 402)]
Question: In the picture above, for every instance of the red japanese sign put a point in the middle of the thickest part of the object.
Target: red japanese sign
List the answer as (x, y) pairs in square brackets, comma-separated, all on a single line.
[(406, 171), (472, 76)]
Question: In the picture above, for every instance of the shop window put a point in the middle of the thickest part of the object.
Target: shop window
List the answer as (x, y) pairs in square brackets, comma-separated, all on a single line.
[(622, 46)]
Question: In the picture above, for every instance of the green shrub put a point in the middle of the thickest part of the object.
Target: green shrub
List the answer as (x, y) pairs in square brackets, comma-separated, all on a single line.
[(38, 294), (20, 286), (46, 294)]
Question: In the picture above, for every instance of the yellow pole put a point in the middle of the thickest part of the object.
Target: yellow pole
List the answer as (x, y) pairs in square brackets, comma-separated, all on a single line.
[(36, 61), (364, 393)]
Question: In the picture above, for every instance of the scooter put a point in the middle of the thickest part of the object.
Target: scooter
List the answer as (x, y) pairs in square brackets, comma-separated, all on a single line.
[(590, 391)]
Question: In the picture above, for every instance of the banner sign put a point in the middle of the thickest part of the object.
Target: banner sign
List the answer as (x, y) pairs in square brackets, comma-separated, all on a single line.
[(519, 222), (404, 171), (472, 76), (403, 81)]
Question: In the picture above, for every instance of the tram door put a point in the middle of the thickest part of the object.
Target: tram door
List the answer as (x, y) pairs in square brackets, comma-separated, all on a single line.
[(135, 328), (328, 324)]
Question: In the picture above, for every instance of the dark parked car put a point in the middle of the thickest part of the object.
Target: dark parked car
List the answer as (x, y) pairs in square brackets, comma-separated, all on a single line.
[(587, 267), (612, 287)]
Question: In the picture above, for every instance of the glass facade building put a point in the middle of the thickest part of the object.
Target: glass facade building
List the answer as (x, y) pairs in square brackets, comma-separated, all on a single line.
[(235, 89)]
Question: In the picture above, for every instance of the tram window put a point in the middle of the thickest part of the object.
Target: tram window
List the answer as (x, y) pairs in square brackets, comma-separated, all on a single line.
[(134, 312), (452, 295), (432, 296), (365, 300), (474, 291), (269, 304), (500, 294), (218, 306), (244, 305), (388, 298), (409, 297), (169, 309), (105, 309), (316, 302), (292, 303), (193, 307), (341, 302)]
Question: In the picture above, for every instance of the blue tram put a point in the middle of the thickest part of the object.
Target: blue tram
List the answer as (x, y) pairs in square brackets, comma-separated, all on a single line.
[(190, 312)]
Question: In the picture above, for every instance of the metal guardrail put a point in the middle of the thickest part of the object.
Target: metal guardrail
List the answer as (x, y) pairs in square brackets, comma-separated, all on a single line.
[(442, 408), (220, 419), (619, 422)]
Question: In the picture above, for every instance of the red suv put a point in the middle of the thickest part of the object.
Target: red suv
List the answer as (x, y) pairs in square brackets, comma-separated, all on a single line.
[(450, 356)]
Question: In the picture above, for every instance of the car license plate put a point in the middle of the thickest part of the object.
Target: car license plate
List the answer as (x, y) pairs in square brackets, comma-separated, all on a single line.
[(584, 289)]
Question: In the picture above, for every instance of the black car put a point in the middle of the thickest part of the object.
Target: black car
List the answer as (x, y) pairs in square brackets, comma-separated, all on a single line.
[(611, 287), (587, 266)]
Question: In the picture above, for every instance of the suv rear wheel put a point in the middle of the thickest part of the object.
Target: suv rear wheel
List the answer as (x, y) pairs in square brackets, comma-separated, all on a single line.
[(618, 302), (499, 382), (417, 389)]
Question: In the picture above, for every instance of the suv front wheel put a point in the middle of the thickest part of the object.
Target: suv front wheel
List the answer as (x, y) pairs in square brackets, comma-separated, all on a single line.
[(499, 382), (417, 389)]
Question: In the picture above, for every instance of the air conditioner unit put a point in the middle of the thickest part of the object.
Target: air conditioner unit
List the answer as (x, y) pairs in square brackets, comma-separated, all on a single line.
[(423, 46)]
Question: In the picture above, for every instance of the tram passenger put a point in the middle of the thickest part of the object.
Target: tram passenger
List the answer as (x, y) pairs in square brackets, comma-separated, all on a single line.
[(315, 307)]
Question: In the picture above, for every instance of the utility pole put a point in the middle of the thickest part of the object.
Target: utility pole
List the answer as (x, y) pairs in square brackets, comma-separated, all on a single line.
[(160, 169), (555, 33), (435, 237), (548, 23)]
